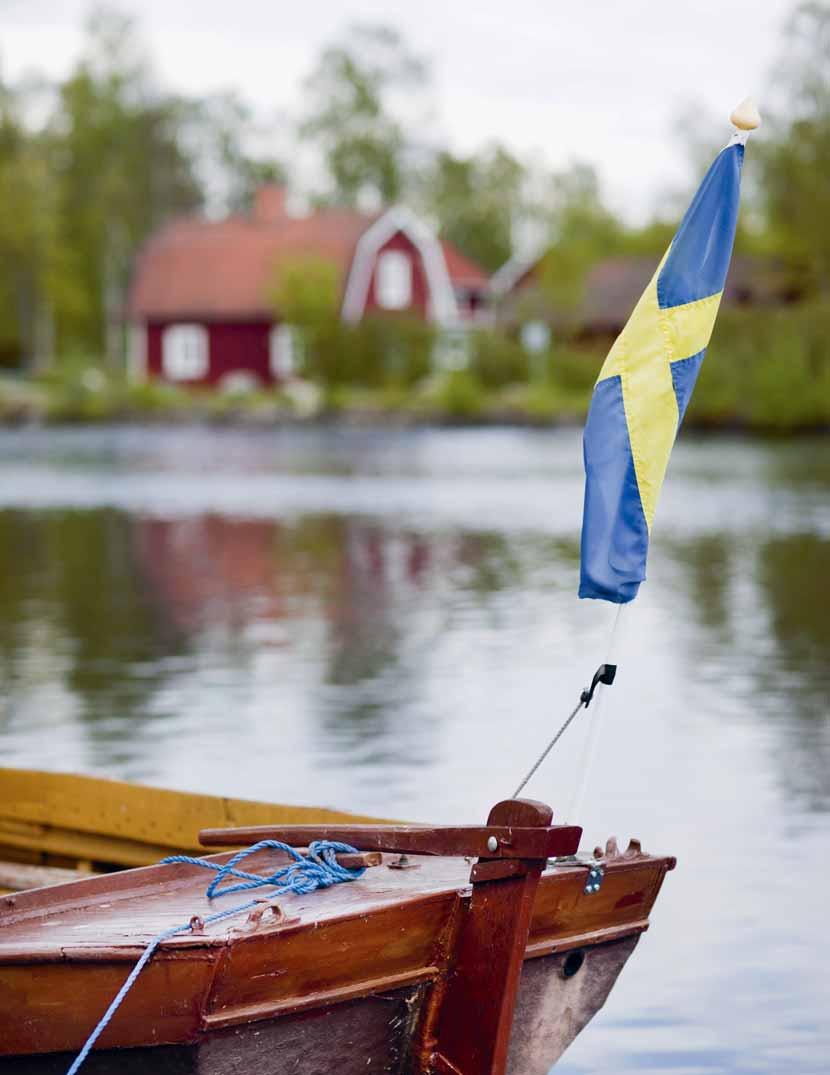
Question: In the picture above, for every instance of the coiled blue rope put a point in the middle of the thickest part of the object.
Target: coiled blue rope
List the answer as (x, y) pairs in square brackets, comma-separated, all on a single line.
[(303, 874)]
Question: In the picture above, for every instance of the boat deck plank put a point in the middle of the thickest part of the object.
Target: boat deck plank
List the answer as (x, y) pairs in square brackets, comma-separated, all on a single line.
[(126, 910), (130, 908)]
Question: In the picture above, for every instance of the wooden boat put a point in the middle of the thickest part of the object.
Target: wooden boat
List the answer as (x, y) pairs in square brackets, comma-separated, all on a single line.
[(463, 951)]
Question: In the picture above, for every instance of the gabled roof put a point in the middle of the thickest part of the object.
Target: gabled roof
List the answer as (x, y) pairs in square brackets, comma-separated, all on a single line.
[(229, 268), (614, 286), (513, 272), (442, 305), (612, 290), (463, 272)]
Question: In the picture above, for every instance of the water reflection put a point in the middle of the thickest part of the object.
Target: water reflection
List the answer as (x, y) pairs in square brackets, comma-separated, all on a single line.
[(794, 575), (757, 632), (710, 573), (115, 608), (76, 613)]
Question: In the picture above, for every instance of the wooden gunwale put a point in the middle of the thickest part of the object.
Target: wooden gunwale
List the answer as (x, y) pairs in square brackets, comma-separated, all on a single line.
[(584, 940), (121, 887)]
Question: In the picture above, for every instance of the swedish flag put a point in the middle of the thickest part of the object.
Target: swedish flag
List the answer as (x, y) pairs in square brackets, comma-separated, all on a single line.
[(645, 384)]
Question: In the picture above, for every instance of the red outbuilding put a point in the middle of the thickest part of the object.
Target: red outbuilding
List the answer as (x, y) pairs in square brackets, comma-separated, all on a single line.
[(201, 302)]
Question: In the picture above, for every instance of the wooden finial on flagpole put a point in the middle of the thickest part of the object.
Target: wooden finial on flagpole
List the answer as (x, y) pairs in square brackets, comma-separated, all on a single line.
[(746, 116)]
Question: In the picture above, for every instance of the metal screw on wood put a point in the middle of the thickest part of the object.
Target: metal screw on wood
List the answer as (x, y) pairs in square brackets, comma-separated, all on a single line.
[(492, 844)]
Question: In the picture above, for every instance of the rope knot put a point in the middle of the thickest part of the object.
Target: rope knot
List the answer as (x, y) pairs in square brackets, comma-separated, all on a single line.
[(303, 874)]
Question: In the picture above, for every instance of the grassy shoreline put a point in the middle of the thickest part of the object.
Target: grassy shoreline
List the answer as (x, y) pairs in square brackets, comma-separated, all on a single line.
[(459, 401)]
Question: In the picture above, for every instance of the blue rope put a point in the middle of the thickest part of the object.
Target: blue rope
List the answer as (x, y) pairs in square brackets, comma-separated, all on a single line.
[(305, 873)]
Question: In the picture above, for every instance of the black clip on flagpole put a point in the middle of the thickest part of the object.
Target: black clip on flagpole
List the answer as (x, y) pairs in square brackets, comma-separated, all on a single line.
[(604, 674)]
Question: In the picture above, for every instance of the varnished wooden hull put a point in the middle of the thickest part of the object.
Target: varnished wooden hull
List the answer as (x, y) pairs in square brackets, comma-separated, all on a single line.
[(344, 983), (369, 1035)]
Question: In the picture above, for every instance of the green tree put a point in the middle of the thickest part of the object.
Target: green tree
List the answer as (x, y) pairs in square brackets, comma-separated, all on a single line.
[(796, 157), (583, 230), (306, 291), (348, 115), (37, 275), (306, 296), (475, 200), (121, 171)]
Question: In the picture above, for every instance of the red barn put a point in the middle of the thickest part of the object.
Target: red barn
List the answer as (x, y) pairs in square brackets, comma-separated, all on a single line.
[(199, 306)]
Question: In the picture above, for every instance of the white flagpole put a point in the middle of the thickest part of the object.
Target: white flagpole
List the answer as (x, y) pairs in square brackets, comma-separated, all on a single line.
[(595, 720)]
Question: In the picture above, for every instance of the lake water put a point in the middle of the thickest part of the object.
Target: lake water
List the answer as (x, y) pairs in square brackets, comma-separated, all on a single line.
[(387, 622)]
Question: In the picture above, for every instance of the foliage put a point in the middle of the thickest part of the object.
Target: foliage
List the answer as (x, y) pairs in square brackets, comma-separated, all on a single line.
[(475, 200), (498, 360), (113, 159), (380, 352), (348, 116), (575, 369), (120, 171), (766, 370), (582, 231), (796, 160), (38, 268), (306, 291), (456, 394)]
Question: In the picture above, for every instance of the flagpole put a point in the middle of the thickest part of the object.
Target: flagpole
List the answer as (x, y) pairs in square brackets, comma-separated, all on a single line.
[(641, 413), (589, 752)]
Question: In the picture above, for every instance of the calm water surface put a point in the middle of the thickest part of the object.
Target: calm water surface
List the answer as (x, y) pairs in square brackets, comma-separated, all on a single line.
[(387, 622)]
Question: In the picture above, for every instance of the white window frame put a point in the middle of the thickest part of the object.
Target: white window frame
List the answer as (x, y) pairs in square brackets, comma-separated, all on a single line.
[(393, 280), (285, 351), (185, 352)]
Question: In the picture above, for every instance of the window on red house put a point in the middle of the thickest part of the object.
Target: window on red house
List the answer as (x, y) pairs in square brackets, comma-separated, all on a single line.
[(184, 352), (286, 351), (393, 280)]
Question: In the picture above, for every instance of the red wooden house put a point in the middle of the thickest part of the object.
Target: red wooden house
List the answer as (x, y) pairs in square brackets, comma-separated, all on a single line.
[(200, 310)]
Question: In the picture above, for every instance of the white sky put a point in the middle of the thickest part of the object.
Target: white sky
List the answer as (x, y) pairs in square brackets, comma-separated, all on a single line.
[(601, 80)]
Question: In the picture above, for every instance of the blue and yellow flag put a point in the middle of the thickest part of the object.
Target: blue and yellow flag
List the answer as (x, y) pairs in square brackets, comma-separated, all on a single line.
[(645, 384)]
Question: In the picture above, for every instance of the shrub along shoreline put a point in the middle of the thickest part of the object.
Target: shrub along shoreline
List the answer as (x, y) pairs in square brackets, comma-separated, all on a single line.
[(459, 400), (767, 371)]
